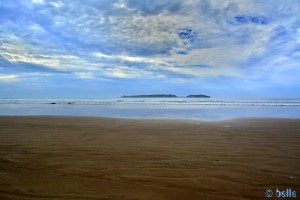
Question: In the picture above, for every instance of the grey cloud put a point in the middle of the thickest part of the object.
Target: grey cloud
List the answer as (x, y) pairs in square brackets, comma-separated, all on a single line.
[(23, 67), (150, 7)]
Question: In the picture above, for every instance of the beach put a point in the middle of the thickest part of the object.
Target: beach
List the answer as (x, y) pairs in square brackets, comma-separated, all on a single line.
[(56, 157)]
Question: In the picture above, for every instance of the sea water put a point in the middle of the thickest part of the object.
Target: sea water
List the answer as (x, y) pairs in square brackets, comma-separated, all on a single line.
[(168, 108)]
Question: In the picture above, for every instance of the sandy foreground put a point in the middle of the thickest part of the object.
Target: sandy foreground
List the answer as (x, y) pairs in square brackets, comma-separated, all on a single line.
[(102, 158)]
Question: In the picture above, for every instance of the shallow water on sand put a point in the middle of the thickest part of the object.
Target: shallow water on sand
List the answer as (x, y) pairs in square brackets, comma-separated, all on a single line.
[(147, 110)]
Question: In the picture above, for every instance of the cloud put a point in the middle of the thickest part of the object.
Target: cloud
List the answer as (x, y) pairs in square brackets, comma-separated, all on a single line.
[(134, 39), (149, 7), (38, 1), (8, 78)]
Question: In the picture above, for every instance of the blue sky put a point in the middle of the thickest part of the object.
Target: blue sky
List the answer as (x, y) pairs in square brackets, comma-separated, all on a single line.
[(107, 48)]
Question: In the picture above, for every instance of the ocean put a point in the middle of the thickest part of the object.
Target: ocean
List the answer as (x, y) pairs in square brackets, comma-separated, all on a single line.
[(155, 108)]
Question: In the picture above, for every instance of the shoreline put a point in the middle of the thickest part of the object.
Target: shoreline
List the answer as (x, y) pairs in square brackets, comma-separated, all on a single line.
[(111, 158), (134, 111), (167, 119)]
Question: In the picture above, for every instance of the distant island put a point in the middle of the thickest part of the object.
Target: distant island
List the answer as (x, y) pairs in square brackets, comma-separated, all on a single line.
[(164, 96), (150, 96), (198, 96)]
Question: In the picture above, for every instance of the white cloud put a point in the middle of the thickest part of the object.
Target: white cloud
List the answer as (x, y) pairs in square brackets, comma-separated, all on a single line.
[(128, 58), (56, 4), (8, 78), (127, 72), (85, 75), (120, 4), (37, 27), (38, 1)]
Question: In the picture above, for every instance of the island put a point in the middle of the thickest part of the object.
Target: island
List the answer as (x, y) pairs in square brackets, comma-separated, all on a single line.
[(151, 96), (198, 96)]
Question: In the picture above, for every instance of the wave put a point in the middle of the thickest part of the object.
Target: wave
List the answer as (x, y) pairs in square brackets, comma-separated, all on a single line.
[(161, 101)]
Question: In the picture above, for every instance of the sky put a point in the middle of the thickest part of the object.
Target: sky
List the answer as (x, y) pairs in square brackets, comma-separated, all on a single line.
[(108, 48)]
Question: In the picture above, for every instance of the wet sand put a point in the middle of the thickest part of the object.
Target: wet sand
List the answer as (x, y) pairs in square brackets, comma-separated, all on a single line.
[(103, 158)]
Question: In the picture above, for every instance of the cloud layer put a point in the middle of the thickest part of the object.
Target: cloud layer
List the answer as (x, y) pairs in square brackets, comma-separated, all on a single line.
[(173, 40)]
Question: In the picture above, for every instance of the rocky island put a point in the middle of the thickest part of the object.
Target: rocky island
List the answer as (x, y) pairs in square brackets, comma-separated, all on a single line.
[(150, 96), (198, 96), (164, 96)]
